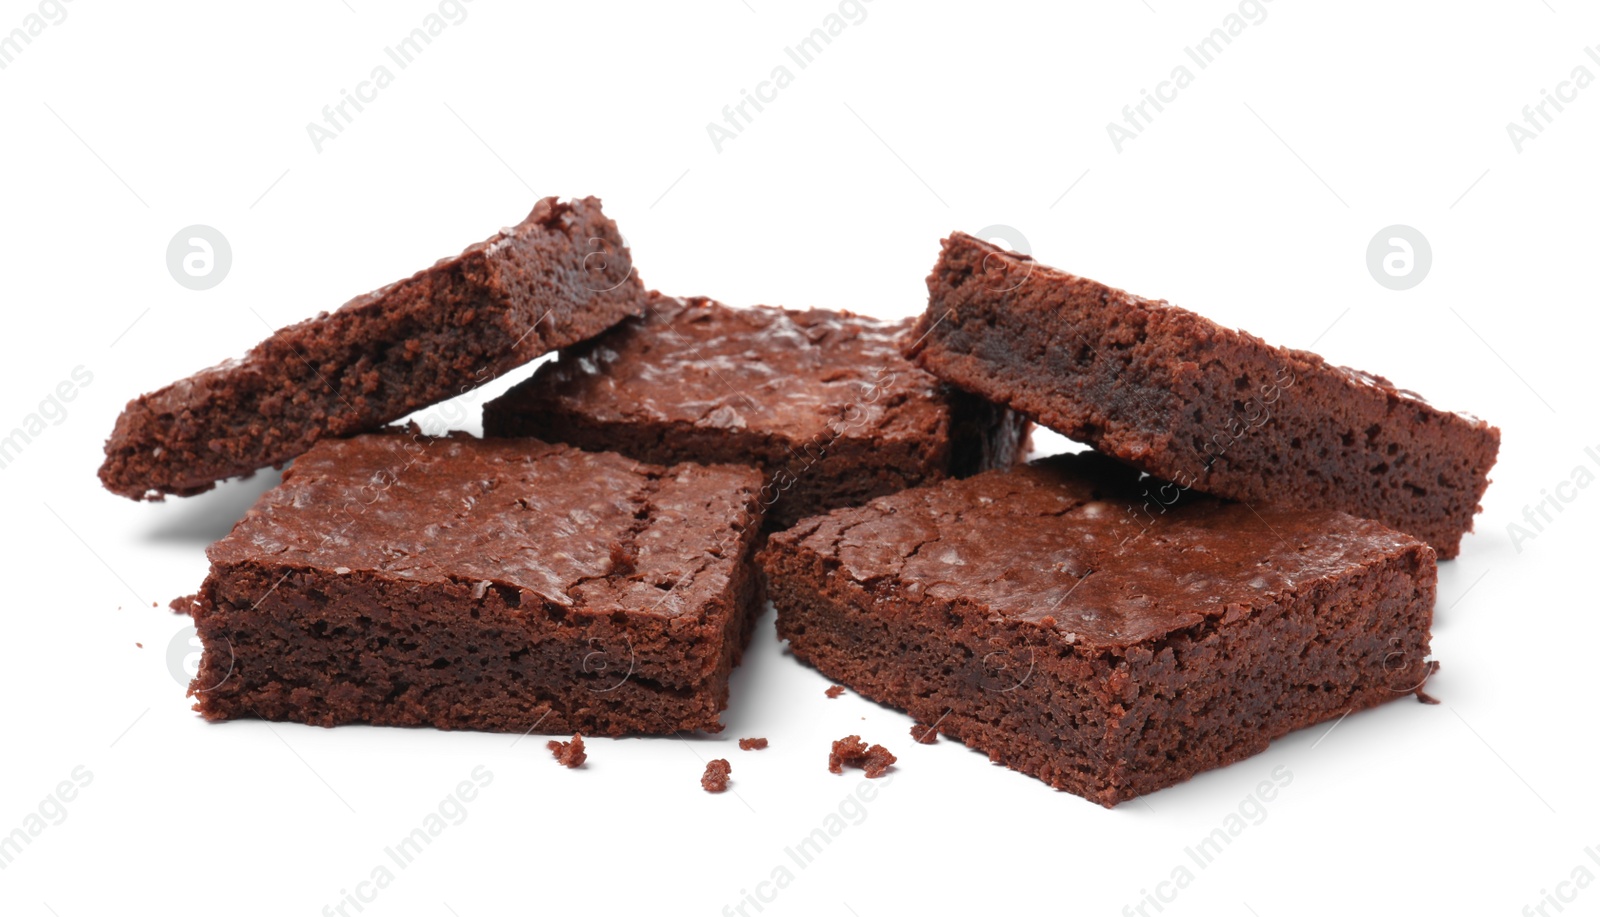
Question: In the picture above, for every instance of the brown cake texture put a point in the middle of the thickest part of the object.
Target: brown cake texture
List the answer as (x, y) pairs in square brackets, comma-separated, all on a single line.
[(1187, 400), (715, 778), (568, 754), (752, 744), (822, 400), (850, 751), (560, 276), (1035, 617), (403, 580)]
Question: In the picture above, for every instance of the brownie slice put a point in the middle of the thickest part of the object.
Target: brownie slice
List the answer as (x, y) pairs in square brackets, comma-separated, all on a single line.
[(560, 276), (1187, 400), (823, 401), (1033, 616), (403, 580)]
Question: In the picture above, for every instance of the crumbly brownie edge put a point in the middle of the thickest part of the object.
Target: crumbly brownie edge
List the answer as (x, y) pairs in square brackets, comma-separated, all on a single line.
[(444, 331), (1184, 399), (1102, 723)]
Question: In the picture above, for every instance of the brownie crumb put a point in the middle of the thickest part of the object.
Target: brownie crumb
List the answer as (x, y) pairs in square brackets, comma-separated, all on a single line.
[(1431, 667), (141, 646), (569, 754), (924, 735), (850, 751), (834, 690), (715, 779), (182, 604), (752, 744)]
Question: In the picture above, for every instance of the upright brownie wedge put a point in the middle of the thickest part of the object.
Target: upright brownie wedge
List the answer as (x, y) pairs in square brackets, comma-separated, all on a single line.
[(459, 583), (1041, 616), (1187, 400), (560, 276), (823, 401)]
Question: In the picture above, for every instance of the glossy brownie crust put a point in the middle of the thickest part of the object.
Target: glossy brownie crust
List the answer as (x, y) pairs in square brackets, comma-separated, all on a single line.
[(1187, 400), (560, 276), (823, 401), (1037, 615), (401, 580)]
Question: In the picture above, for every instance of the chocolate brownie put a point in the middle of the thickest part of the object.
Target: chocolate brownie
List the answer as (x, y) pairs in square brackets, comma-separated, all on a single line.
[(1033, 617), (752, 744), (715, 778), (568, 754), (558, 277), (1187, 400), (403, 580), (850, 751), (821, 400)]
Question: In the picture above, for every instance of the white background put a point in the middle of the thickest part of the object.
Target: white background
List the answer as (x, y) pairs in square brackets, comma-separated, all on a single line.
[(1250, 199)]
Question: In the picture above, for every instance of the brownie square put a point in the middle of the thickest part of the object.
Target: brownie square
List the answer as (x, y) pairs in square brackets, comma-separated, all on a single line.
[(823, 401), (558, 277), (1107, 634), (403, 580), (1190, 401)]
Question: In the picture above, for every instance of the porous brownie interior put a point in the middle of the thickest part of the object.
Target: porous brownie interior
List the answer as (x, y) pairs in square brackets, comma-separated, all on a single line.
[(327, 649), (1190, 401)]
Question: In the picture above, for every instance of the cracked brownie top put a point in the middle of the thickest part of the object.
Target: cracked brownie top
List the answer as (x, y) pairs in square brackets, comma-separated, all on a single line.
[(574, 529), (1090, 547), (800, 375)]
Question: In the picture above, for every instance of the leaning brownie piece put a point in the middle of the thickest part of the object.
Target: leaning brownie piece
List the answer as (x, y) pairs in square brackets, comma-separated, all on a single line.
[(1187, 400), (558, 277), (403, 580), (1037, 615), (823, 401)]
